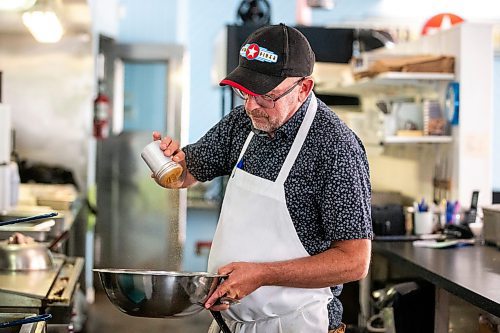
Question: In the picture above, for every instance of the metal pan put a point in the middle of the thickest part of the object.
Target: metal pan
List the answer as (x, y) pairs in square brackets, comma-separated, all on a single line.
[(160, 294)]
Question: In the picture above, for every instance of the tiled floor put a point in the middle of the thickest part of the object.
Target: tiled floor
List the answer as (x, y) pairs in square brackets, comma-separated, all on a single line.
[(103, 317)]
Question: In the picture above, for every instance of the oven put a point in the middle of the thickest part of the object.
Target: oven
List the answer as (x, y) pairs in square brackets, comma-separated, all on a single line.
[(44, 291)]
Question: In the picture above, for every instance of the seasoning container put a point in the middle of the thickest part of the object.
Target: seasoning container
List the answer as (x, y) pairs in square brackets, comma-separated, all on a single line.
[(165, 171)]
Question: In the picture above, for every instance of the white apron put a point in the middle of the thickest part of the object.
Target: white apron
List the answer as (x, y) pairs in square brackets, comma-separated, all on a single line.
[(255, 226)]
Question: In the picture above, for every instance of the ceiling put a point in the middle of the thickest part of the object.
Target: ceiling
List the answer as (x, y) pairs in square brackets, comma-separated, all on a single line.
[(74, 14)]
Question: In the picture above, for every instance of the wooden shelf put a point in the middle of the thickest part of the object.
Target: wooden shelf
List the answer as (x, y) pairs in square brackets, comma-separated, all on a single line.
[(407, 76), (417, 139), (389, 82)]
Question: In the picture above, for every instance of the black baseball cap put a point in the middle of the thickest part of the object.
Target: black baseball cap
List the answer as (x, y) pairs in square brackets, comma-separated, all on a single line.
[(268, 56)]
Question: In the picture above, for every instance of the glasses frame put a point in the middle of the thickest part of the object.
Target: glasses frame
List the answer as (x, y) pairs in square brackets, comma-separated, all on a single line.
[(260, 99)]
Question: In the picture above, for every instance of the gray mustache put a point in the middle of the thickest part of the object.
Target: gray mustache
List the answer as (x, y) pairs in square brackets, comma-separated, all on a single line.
[(256, 113)]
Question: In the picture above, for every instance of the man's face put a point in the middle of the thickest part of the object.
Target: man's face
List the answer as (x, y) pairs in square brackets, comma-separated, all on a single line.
[(270, 119)]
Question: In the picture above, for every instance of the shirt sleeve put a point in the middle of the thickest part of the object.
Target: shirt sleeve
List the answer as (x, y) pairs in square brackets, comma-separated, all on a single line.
[(345, 202), (210, 156)]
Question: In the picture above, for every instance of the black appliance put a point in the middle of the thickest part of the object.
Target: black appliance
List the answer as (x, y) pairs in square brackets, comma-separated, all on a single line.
[(328, 44), (413, 304), (388, 220)]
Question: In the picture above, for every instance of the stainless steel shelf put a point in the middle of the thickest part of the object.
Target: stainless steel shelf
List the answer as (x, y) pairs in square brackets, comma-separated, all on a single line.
[(389, 82), (417, 139)]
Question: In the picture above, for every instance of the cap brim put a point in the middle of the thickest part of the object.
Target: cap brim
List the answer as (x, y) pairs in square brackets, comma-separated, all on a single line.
[(251, 82)]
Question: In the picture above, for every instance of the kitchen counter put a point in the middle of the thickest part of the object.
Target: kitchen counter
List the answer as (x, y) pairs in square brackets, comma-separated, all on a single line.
[(471, 273), (46, 198)]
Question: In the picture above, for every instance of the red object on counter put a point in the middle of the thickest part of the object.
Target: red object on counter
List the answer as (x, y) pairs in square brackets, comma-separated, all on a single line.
[(102, 113), (440, 22)]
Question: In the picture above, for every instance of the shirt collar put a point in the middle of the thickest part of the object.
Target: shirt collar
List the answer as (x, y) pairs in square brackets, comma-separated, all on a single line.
[(291, 127)]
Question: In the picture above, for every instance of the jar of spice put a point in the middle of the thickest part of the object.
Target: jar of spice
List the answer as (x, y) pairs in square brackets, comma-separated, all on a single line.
[(165, 170)]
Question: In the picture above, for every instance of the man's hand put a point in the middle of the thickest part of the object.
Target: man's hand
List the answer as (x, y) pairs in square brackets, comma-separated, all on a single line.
[(345, 261), (244, 278), (170, 147)]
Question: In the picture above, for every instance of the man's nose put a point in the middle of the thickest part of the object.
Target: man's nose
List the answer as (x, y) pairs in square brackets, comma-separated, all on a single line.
[(251, 103)]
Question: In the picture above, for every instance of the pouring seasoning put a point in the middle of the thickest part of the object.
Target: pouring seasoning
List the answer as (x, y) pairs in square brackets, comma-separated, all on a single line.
[(165, 171)]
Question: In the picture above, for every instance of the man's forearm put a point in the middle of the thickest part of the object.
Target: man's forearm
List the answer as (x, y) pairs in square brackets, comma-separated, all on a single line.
[(344, 262)]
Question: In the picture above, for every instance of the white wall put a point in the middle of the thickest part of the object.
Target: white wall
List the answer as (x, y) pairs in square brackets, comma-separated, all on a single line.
[(496, 122), (49, 88)]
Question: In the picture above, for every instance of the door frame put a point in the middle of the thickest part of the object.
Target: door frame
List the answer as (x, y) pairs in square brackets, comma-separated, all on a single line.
[(177, 101)]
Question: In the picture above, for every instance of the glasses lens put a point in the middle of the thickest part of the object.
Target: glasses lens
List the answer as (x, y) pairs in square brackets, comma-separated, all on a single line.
[(240, 93), (265, 101)]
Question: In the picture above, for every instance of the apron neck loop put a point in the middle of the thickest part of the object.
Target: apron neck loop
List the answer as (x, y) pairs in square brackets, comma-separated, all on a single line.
[(245, 146), (299, 140), (297, 143)]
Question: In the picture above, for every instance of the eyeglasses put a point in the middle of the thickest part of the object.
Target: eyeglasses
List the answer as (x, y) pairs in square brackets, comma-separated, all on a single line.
[(266, 101)]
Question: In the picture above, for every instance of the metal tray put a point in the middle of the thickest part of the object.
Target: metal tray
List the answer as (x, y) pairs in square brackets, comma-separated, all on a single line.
[(40, 230)]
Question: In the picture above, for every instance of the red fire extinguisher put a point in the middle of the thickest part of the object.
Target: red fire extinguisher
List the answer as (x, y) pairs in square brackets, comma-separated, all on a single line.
[(102, 113)]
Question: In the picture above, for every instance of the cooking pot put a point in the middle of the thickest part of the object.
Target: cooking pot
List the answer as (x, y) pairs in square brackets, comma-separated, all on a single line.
[(30, 256), (23, 257), (161, 294)]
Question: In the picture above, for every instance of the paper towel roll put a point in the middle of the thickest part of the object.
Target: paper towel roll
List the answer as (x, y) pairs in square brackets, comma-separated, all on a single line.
[(5, 183), (15, 180), (5, 133)]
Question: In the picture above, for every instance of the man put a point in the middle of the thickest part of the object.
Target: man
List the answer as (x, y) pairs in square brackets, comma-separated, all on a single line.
[(295, 222)]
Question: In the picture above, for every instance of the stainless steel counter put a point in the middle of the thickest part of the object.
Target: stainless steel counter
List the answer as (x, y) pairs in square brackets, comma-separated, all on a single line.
[(471, 273), (30, 283), (39, 289)]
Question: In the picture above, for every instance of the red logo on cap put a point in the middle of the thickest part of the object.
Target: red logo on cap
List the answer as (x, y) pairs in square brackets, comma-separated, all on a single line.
[(252, 51)]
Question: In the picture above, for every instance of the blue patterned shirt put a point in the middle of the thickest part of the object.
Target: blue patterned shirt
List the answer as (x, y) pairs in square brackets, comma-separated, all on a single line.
[(328, 189)]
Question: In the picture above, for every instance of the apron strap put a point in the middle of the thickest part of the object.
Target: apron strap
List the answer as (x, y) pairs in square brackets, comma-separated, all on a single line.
[(299, 140), (245, 146)]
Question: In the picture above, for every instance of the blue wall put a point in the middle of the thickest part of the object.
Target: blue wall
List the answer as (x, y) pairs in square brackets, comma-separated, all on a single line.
[(201, 227), (150, 21), (145, 94)]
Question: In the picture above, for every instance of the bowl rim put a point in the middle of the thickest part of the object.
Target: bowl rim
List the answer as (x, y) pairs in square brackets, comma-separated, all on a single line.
[(156, 272)]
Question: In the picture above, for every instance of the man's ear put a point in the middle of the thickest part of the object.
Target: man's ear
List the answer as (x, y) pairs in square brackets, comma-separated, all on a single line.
[(305, 88)]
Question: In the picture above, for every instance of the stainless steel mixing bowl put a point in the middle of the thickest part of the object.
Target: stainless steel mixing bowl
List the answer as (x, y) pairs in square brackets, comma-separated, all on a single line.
[(158, 294)]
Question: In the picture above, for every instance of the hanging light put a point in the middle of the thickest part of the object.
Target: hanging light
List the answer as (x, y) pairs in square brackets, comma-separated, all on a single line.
[(16, 4), (43, 22)]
